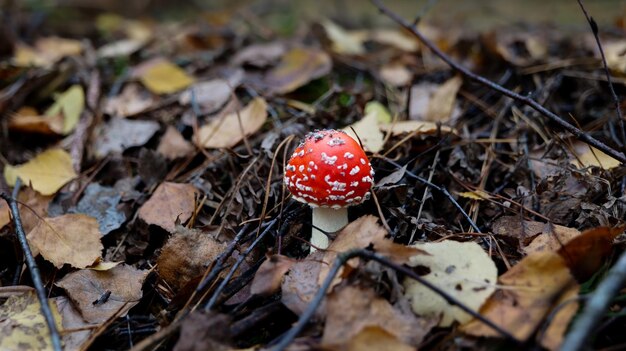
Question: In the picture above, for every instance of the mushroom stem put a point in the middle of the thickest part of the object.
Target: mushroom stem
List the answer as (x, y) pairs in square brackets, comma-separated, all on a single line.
[(329, 220)]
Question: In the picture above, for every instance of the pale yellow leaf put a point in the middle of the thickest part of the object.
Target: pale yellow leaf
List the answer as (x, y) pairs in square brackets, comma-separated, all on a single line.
[(367, 128), (68, 239), (164, 77), (443, 100), (589, 156), (417, 127), (476, 195), (463, 270), (47, 172), (104, 266), (343, 42), (230, 129), (71, 104), (22, 326)]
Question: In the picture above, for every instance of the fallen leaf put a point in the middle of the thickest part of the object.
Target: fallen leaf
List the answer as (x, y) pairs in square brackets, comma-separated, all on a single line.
[(527, 293), (5, 214), (164, 77), (560, 322), (86, 286), (22, 326), (615, 55), (209, 96), (476, 195), (417, 127), (367, 128), (372, 339), (70, 104), (269, 277), (301, 283), (47, 51), (173, 145), (443, 101), (169, 202), (28, 120), (120, 134), (298, 67), (131, 101), (69, 239), (230, 129), (350, 309), (552, 238), (205, 331), (104, 266), (588, 156), (72, 320), (33, 207), (463, 270), (396, 74), (101, 203), (343, 42), (260, 55), (47, 172), (199, 248), (393, 178), (396, 38), (123, 47)]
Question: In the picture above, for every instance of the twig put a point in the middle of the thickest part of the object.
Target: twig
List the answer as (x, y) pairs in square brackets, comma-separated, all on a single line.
[(34, 270), (579, 134), (594, 30), (342, 258), (443, 190), (596, 306)]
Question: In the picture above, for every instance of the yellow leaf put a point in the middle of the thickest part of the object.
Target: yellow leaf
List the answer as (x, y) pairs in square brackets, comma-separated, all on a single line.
[(22, 326), (104, 266), (476, 195), (589, 156), (418, 127), (71, 238), (228, 130), (367, 128), (28, 120), (443, 100), (343, 42), (47, 172), (165, 77), (71, 104)]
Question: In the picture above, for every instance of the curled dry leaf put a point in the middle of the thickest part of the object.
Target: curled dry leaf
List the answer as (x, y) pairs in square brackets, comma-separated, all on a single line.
[(170, 202), (463, 270), (230, 129), (22, 326), (120, 134), (72, 239), (269, 277), (199, 247), (298, 67), (86, 286), (350, 309), (47, 172), (173, 145)]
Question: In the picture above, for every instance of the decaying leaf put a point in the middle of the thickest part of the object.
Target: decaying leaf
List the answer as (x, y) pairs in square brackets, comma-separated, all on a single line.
[(301, 283), (298, 67), (70, 104), (168, 203), (22, 326), (47, 172), (209, 96), (588, 156), (69, 239), (199, 247), (72, 320), (230, 129), (269, 277), (163, 77), (86, 286), (350, 309), (463, 270), (101, 203), (119, 134), (173, 145)]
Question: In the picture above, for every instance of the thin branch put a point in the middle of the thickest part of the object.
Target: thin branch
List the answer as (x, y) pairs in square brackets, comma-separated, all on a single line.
[(595, 307), (34, 270), (342, 258), (579, 134), (594, 30)]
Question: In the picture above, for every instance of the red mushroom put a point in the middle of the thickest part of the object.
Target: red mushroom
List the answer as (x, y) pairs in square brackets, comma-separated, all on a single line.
[(329, 171)]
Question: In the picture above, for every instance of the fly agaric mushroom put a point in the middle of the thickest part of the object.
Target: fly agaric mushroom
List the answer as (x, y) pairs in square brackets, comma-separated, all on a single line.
[(329, 171)]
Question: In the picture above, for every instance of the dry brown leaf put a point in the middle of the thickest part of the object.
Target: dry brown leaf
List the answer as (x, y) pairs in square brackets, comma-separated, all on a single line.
[(463, 270), (350, 309), (170, 201), (260, 55), (173, 145), (269, 277), (47, 172), (298, 67), (131, 101), (22, 326), (36, 208), (300, 285), (47, 51), (72, 320), (5, 214), (529, 292), (443, 101), (120, 134), (230, 129), (28, 120), (199, 247), (552, 238), (371, 339), (69, 239), (86, 286), (553, 335)]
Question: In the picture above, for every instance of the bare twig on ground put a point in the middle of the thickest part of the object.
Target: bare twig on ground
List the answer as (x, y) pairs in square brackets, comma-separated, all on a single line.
[(33, 269), (594, 30), (344, 257), (595, 307), (579, 134)]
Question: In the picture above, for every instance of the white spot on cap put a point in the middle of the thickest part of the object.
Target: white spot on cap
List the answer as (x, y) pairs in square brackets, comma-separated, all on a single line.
[(363, 161), (354, 184), (329, 160), (301, 168), (348, 155), (366, 179), (343, 166), (355, 170), (336, 142), (291, 168)]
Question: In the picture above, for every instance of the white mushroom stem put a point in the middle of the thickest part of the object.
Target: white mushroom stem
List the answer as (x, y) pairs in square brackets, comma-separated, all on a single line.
[(329, 220)]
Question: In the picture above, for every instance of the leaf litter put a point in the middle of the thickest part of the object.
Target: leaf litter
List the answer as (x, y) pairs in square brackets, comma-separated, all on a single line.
[(151, 155)]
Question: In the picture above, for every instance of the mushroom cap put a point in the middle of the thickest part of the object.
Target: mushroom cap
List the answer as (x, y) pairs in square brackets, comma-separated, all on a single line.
[(329, 169)]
